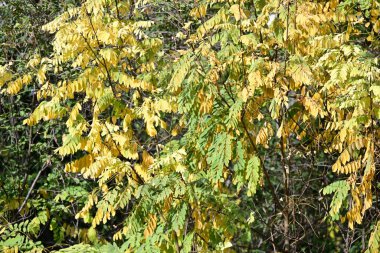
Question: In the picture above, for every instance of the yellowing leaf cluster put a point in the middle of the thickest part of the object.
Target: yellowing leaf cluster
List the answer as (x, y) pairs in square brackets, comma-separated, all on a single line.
[(248, 71)]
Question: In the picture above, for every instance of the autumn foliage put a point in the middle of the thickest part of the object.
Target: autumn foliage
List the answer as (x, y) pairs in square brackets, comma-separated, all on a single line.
[(215, 126)]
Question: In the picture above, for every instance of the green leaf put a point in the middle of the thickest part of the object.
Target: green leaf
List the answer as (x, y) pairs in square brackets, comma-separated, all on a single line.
[(92, 235), (253, 175)]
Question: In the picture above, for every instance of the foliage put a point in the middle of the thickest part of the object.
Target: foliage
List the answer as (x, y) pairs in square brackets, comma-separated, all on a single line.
[(221, 137), (32, 214)]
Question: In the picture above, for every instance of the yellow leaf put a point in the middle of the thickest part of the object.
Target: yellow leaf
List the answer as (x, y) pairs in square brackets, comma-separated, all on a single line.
[(244, 94), (237, 11), (151, 226), (147, 159)]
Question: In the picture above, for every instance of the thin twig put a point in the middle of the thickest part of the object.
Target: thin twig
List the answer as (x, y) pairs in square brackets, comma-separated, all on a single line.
[(46, 165)]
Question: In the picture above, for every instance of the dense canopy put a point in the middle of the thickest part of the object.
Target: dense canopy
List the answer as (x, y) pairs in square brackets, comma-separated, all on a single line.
[(189, 126)]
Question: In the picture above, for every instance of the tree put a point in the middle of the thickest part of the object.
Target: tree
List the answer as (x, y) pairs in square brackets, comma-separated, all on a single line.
[(229, 136)]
